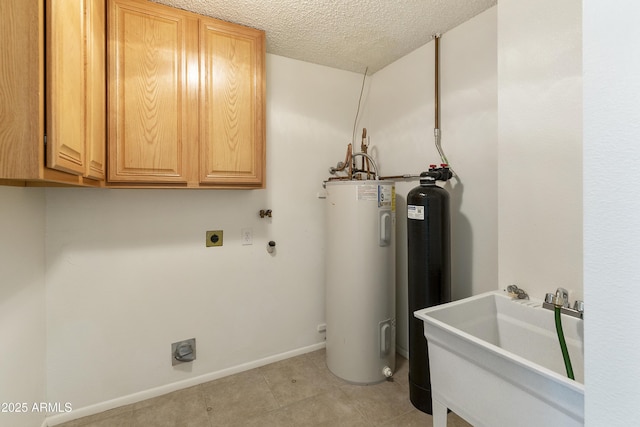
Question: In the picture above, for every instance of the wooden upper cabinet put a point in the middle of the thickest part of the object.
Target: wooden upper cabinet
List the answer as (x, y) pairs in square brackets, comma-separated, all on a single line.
[(186, 99), (52, 83), (76, 98), (148, 92), (231, 104)]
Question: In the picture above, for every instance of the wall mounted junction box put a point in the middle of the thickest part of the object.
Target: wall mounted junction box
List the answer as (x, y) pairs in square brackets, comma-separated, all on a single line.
[(183, 351), (214, 238)]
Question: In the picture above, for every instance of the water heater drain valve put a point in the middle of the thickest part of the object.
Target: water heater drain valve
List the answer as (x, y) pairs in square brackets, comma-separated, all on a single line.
[(387, 372)]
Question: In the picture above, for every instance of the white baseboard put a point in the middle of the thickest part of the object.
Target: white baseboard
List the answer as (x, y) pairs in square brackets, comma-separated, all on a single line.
[(168, 388)]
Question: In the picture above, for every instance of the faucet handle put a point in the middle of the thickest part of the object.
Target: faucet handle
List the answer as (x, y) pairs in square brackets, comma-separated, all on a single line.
[(549, 297), (578, 306)]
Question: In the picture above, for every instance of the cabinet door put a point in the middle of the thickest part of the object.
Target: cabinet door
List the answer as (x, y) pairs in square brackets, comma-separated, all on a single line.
[(66, 28), (21, 89), (231, 104), (96, 89), (76, 87), (148, 92)]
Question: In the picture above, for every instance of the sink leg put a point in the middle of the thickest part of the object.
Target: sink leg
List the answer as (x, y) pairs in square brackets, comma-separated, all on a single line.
[(439, 413)]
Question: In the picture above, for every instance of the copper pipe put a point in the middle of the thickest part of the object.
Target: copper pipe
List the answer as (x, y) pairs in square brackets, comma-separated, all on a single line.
[(436, 131), (347, 159), (437, 82), (366, 165), (339, 178), (351, 160), (363, 148)]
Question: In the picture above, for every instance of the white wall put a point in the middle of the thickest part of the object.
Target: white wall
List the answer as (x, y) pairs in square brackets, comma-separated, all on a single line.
[(22, 304), (540, 145), (128, 272), (399, 118), (611, 206)]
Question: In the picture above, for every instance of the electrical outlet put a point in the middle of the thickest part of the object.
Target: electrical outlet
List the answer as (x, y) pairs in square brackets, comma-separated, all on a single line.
[(247, 236), (214, 238)]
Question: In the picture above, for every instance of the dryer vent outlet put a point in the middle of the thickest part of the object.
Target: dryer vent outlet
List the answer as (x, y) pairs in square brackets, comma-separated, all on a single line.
[(183, 351)]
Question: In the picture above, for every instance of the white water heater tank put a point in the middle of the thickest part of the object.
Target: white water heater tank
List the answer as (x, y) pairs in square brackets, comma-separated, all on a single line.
[(360, 280)]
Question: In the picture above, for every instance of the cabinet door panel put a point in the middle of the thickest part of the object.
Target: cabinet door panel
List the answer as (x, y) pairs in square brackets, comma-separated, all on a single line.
[(21, 89), (231, 108), (147, 94), (96, 89), (66, 87)]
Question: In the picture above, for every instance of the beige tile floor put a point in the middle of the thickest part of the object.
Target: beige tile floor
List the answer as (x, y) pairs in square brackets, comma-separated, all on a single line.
[(300, 391)]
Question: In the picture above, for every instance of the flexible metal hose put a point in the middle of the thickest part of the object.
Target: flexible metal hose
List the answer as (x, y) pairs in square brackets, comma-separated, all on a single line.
[(373, 163)]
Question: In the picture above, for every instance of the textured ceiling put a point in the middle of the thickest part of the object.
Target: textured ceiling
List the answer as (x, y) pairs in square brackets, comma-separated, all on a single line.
[(346, 34)]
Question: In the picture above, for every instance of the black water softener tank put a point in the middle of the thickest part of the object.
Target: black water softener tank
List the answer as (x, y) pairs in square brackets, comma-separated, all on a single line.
[(428, 234)]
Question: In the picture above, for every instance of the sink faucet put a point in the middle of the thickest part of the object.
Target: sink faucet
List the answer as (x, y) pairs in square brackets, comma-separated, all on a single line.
[(561, 299)]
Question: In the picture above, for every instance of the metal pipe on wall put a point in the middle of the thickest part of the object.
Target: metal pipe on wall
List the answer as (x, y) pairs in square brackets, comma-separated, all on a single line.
[(437, 83), (436, 130)]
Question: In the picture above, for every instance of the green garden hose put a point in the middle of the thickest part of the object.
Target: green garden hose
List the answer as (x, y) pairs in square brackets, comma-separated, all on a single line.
[(563, 343)]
